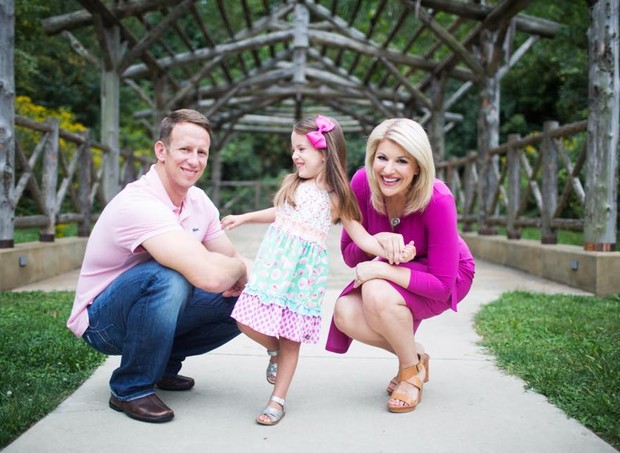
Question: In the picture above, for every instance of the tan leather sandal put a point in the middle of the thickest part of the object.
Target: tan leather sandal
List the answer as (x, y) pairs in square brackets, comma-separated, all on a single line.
[(410, 376), (425, 358)]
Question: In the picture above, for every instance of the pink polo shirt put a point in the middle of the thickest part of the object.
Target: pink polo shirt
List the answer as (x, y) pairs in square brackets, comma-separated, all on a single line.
[(140, 211)]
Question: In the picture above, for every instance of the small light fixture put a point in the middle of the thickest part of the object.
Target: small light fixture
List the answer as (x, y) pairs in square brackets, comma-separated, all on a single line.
[(23, 261), (574, 265)]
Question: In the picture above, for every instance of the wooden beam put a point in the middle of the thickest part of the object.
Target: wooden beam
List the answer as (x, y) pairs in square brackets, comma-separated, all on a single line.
[(141, 47), (501, 12), (200, 55), (84, 18), (103, 18), (527, 24), (459, 50), (333, 39), (192, 85), (337, 22), (417, 94), (77, 46)]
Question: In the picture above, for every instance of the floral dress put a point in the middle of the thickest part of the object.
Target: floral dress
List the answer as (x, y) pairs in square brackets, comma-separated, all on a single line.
[(284, 294)]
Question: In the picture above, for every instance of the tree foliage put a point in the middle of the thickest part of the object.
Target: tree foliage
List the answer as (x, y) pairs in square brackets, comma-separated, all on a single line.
[(550, 82)]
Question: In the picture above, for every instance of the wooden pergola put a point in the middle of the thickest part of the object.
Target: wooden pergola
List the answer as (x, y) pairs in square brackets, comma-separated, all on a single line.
[(256, 66)]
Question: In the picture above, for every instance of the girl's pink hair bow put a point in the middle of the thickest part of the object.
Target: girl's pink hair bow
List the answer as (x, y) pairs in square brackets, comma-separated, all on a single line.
[(316, 138)]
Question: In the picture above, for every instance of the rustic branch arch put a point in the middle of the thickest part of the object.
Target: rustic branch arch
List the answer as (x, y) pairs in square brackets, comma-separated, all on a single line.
[(278, 58)]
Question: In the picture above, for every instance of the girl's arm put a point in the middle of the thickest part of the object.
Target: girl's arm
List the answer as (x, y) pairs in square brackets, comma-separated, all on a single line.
[(437, 278), (263, 216), (372, 246)]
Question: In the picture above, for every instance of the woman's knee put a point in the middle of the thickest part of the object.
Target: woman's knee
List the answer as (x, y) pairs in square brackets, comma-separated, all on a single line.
[(376, 300), (343, 314)]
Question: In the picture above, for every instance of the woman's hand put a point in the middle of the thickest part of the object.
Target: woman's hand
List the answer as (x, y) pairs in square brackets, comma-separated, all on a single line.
[(368, 270), (394, 246), (232, 221)]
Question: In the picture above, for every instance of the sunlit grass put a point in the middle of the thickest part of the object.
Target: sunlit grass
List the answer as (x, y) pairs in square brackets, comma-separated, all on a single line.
[(564, 347)]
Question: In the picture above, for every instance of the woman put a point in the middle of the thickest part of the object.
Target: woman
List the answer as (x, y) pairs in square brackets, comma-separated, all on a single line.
[(398, 193)]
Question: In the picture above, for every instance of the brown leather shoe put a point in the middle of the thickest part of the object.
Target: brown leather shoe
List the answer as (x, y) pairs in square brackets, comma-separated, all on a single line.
[(175, 383), (146, 409)]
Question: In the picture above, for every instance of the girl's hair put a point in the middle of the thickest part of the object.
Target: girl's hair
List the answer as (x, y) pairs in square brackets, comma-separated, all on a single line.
[(412, 138), (333, 174)]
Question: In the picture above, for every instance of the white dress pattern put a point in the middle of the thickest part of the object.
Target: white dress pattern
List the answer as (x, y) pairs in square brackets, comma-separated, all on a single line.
[(286, 288)]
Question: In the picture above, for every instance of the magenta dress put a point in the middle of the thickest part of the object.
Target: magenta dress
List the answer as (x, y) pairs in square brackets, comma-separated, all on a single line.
[(443, 269)]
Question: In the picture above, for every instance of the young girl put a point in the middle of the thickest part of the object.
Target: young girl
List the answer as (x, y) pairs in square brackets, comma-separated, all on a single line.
[(280, 307)]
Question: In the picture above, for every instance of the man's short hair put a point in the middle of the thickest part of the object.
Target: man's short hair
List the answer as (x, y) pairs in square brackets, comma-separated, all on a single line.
[(182, 116)]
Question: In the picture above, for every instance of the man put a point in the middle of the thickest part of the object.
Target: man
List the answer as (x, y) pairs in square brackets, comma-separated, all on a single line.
[(159, 277)]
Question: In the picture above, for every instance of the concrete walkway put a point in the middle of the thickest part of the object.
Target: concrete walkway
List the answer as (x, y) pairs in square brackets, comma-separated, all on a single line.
[(337, 403)]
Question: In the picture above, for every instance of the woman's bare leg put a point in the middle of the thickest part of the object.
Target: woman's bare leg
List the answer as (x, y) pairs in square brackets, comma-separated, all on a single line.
[(349, 318), (379, 317)]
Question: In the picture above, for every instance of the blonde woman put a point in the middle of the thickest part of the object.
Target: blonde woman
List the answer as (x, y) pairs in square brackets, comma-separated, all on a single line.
[(398, 193)]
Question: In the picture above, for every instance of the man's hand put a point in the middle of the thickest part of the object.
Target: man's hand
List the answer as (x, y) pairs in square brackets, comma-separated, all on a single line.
[(236, 289)]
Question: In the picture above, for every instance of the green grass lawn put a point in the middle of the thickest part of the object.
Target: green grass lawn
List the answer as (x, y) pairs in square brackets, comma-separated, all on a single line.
[(41, 362), (565, 347)]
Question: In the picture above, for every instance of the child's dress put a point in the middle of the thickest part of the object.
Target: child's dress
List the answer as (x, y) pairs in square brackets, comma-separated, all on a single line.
[(285, 290)]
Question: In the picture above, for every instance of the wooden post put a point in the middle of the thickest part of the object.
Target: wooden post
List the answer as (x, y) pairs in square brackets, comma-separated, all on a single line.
[(300, 42), (451, 176), (549, 176), (438, 119), (110, 113), (257, 193), (514, 188), (162, 91), (49, 180), (84, 185), (488, 127), (216, 173), (471, 182), (601, 204), (7, 124)]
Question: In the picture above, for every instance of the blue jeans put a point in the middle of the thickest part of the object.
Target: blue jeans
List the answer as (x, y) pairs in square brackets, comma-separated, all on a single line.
[(154, 318)]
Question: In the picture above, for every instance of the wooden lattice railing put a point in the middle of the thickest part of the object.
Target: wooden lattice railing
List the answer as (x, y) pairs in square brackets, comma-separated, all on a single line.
[(537, 183), (62, 172)]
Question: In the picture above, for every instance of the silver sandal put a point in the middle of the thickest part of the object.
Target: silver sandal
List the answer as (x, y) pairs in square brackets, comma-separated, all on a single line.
[(272, 368), (275, 415)]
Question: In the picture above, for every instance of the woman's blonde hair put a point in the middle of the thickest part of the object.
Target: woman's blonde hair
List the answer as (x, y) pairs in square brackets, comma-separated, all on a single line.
[(334, 173), (412, 138)]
